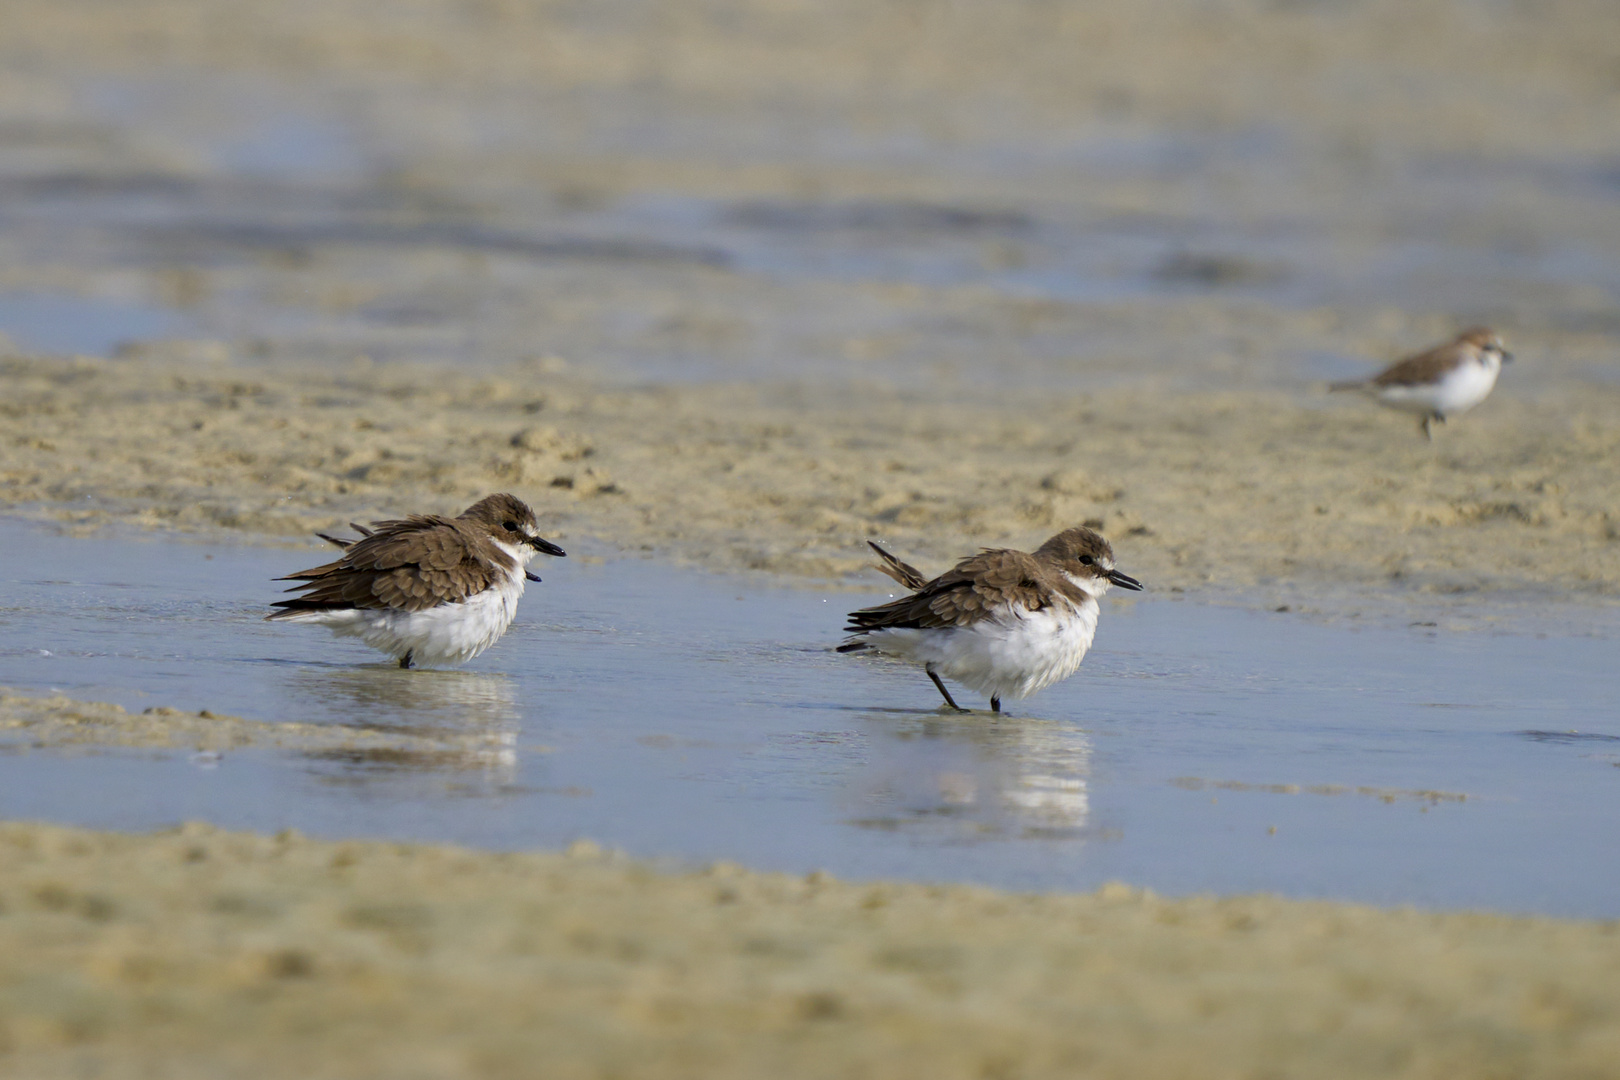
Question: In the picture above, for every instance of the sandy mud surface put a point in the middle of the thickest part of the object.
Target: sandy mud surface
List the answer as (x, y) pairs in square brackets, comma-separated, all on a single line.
[(199, 953), (1280, 497), (743, 283), (61, 723)]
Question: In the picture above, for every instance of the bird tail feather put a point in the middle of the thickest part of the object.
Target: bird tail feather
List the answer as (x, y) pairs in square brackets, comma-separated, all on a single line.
[(904, 573)]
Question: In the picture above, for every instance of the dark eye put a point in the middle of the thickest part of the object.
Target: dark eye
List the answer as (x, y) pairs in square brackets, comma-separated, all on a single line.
[(509, 526), (1086, 560)]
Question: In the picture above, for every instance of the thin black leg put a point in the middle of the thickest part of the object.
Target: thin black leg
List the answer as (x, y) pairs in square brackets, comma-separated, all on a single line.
[(995, 704), (948, 699), (405, 661)]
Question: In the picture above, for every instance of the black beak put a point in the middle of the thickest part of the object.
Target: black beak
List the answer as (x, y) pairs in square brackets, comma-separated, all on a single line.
[(1507, 357), (545, 547), (1124, 581)]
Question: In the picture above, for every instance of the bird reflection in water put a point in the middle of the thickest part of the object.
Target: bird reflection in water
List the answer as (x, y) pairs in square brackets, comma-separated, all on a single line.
[(448, 721), (960, 779)]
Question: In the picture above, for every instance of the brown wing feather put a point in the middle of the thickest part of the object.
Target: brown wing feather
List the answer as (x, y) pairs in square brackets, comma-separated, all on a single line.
[(1423, 368), (904, 573), (980, 586), (411, 564)]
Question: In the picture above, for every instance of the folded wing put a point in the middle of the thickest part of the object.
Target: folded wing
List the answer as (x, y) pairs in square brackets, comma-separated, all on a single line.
[(409, 565), (1425, 367), (985, 585)]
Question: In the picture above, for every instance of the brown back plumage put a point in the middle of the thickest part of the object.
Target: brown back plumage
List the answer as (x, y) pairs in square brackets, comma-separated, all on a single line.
[(1428, 366), (412, 563), (986, 585)]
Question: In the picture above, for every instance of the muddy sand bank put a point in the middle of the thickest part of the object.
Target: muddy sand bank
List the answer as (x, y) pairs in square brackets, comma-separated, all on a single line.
[(59, 723), (938, 274), (1273, 497), (205, 953)]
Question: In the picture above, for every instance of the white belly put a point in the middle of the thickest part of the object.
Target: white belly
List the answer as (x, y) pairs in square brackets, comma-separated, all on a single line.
[(1009, 657), (1458, 392), (447, 634)]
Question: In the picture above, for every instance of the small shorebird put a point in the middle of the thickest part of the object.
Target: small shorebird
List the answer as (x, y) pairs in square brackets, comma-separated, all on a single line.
[(1005, 623), (1448, 380), (425, 589)]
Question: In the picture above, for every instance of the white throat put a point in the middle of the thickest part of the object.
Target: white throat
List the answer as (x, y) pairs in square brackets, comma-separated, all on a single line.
[(522, 553), (1093, 587)]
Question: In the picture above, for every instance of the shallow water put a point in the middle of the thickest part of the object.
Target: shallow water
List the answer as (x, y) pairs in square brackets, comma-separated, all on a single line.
[(248, 227), (81, 325), (696, 717), (270, 216)]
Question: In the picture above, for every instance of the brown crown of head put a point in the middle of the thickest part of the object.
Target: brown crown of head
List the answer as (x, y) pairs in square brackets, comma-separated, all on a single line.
[(1479, 337), (1079, 551), (495, 511)]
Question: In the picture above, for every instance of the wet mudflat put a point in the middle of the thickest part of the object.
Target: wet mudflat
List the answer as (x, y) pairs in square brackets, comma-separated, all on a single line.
[(311, 259), (740, 283), (1068, 215), (694, 717)]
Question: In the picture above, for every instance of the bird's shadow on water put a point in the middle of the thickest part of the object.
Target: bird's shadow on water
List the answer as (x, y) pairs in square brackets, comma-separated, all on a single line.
[(458, 721), (386, 698), (960, 777), (876, 710), (429, 721), (942, 712), (331, 665)]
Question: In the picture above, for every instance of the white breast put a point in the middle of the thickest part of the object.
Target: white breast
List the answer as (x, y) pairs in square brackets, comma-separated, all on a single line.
[(1462, 388), (448, 634), (454, 633), (1009, 656)]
